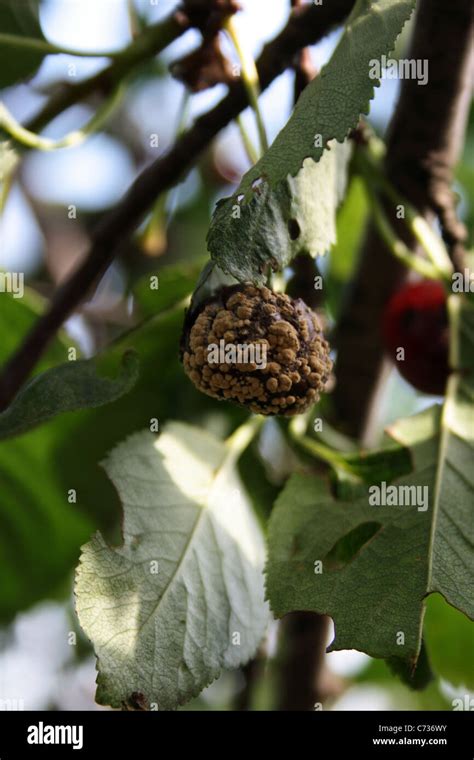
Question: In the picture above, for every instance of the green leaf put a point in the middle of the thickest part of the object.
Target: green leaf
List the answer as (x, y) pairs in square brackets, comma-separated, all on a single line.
[(19, 18), (18, 316), (331, 104), (415, 678), (261, 490), (371, 467), (161, 392), (374, 564), (380, 562), (297, 217), (402, 696), (452, 488), (68, 387), (162, 632), (327, 109)]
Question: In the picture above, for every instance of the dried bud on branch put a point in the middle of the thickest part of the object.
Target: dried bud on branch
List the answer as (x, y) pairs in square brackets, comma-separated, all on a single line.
[(204, 68), (209, 15)]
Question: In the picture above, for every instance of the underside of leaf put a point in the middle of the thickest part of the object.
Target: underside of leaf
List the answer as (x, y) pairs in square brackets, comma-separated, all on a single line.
[(183, 597)]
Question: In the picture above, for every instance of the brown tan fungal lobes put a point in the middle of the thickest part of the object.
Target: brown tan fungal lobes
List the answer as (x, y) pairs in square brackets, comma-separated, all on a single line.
[(297, 363)]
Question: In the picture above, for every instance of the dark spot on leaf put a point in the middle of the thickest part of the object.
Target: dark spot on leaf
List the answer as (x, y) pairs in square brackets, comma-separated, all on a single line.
[(295, 547), (136, 701), (294, 229), (350, 546)]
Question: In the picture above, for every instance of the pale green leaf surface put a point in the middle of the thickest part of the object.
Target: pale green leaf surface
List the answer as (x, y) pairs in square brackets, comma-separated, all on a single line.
[(165, 636)]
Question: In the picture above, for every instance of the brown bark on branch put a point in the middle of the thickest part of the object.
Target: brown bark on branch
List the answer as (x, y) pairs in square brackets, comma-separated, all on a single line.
[(425, 139), (303, 640), (305, 26), (423, 153)]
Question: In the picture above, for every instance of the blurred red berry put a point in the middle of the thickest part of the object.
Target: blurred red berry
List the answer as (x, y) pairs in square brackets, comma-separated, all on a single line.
[(416, 319)]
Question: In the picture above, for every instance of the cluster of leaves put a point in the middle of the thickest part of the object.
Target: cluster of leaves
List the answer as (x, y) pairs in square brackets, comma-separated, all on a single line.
[(286, 204)]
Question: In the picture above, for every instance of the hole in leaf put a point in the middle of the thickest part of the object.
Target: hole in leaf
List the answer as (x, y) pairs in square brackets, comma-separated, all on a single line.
[(294, 229), (136, 701), (256, 183), (350, 545)]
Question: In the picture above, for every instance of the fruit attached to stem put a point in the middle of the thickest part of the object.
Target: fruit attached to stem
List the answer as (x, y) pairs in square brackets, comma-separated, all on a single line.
[(260, 349)]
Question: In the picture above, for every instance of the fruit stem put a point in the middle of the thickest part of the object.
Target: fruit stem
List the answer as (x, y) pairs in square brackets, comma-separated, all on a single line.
[(249, 78), (250, 149), (32, 140), (454, 312), (369, 162), (240, 438), (397, 246), (6, 181), (421, 230), (134, 20), (335, 459)]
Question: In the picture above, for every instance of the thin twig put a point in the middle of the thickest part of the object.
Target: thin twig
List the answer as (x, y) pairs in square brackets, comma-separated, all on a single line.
[(49, 48), (72, 139), (249, 78)]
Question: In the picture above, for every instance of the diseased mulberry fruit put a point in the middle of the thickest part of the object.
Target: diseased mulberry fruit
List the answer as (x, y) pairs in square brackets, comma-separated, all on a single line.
[(260, 349)]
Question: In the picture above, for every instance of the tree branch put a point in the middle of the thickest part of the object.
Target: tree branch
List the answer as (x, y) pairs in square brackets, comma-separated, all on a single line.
[(306, 26), (425, 139), (303, 640)]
